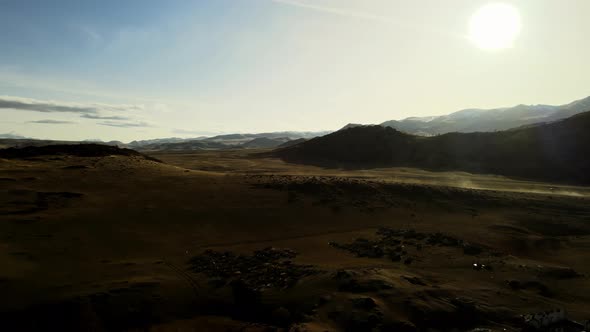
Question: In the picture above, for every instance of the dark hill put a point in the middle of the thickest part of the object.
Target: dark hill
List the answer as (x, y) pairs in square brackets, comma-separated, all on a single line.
[(79, 150), (293, 142), (555, 151)]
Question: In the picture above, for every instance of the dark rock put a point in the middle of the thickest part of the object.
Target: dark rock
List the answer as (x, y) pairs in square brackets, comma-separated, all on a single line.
[(281, 316), (514, 284), (395, 257), (355, 320), (470, 249), (397, 326), (344, 275), (364, 286), (77, 167), (270, 267), (324, 299), (414, 280), (559, 273), (217, 282), (244, 295), (541, 288), (365, 303)]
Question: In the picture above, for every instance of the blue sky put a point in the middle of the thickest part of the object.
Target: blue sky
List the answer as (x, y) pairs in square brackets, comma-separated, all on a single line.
[(143, 69), (123, 43)]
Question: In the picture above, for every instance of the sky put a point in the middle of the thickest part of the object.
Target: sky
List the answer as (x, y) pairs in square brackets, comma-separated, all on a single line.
[(141, 69)]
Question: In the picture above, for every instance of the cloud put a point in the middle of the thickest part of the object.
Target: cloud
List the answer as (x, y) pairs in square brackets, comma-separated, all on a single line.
[(52, 122), (103, 117), (27, 104), (36, 106), (14, 77), (105, 114), (331, 10), (91, 36), (94, 111), (356, 14), (125, 124)]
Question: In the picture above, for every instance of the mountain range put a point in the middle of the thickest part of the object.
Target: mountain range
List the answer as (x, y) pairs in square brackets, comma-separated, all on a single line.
[(228, 141), (554, 151), (480, 120), (465, 121)]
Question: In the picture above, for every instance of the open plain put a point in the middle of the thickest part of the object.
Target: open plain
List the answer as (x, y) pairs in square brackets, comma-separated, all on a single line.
[(235, 241)]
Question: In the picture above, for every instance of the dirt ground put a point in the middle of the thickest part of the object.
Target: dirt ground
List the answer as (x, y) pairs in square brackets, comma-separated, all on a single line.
[(229, 241)]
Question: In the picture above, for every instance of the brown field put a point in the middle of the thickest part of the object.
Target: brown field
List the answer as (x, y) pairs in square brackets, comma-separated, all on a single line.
[(104, 244)]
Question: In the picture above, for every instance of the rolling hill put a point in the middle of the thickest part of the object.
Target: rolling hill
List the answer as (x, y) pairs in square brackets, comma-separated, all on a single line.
[(78, 150), (265, 143), (554, 151)]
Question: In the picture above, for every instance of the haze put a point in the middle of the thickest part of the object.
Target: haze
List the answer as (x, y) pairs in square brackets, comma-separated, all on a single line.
[(146, 69)]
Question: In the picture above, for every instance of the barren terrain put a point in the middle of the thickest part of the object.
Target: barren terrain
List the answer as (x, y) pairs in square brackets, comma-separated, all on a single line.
[(229, 240)]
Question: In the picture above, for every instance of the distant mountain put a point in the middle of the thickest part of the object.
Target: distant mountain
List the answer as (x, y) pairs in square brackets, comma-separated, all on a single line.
[(478, 120), (182, 146), (11, 135), (265, 143), (351, 125), (243, 138), (225, 141), (555, 152), (233, 141), (229, 141), (137, 144)]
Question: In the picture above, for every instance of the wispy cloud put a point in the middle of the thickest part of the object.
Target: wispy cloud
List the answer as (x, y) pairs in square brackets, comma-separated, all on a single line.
[(104, 117), (335, 11), (105, 114), (357, 14), (90, 35), (93, 111), (27, 104), (45, 107), (52, 122), (14, 77), (140, 124)]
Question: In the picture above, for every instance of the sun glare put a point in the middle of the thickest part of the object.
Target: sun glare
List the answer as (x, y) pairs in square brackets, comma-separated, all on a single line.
[(495, 26)]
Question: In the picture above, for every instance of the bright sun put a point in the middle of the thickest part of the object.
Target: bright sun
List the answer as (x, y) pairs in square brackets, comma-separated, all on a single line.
[(495, 26)]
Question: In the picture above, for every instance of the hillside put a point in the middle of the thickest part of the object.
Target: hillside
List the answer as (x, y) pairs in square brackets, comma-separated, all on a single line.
[(182, 146), (78, 150), (292, 142), (265, 143), (480, 120), (23, 142), (554, 151)]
